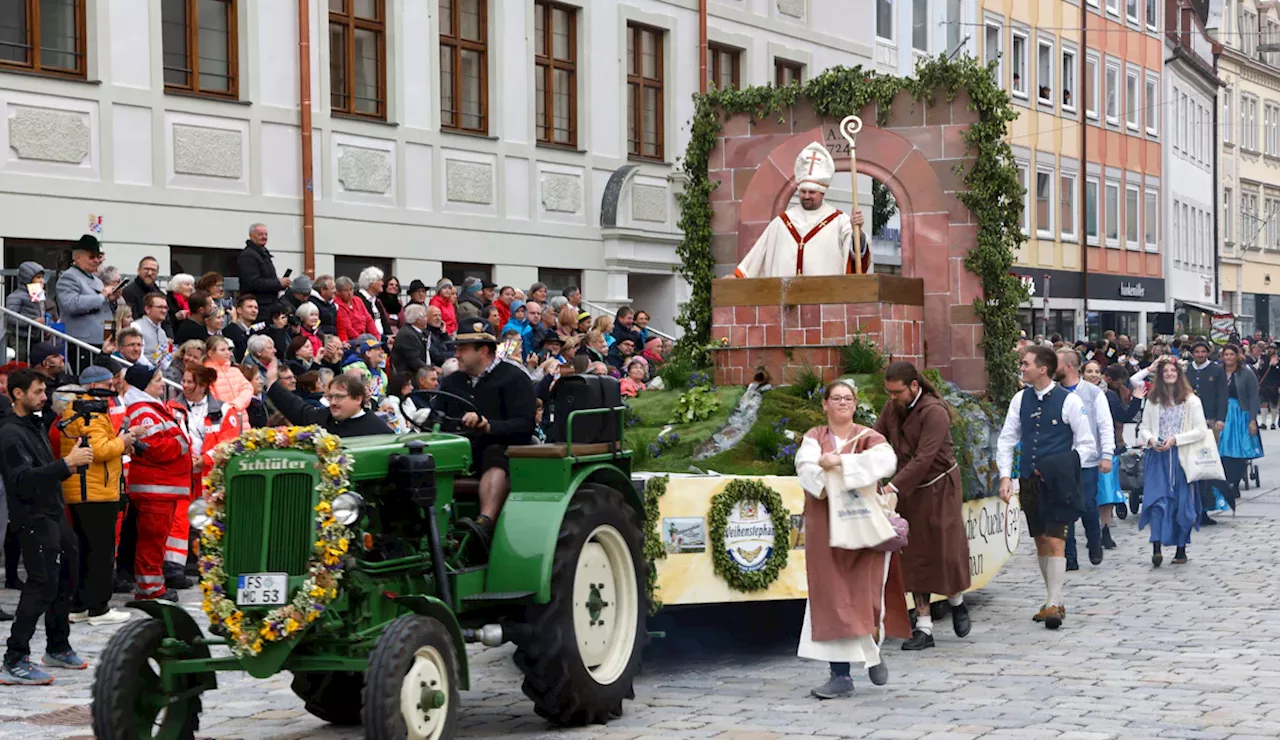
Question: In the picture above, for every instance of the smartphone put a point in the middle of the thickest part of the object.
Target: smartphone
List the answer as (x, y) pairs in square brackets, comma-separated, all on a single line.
[(288, 272)]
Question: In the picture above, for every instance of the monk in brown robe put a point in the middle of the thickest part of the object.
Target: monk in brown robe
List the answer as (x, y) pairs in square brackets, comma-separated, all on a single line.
[(856, 597), (917, 423)]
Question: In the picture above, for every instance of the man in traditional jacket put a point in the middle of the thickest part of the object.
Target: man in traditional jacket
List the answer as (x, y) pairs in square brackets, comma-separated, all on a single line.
[(813, 238), (936, 560), (856, 597)]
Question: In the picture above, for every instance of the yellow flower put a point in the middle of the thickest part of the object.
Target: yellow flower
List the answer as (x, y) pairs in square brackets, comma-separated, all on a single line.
[(342, 544), (330, 444), (250, 445), (291, 625), (316, 592), (333, 470), (256, 647), (323, 507), (311, 616)]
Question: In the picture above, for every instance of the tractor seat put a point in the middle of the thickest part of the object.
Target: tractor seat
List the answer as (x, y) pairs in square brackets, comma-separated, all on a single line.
[(562, 450)]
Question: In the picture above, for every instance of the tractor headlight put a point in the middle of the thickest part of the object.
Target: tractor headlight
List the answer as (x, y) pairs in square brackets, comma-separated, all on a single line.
[(198, 514), (348, 508)]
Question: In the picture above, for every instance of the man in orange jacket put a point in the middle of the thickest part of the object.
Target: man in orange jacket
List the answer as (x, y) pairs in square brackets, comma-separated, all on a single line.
[(159, 484)]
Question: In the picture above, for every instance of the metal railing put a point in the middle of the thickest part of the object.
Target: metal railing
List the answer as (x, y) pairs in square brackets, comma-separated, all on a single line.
[(597, 310), (36, 332)]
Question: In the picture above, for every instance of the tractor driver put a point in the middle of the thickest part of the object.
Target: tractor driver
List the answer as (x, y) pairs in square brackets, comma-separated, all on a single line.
[(504, 399)]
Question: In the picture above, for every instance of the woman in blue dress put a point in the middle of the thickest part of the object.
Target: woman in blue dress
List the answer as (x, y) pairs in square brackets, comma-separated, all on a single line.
[(1239, 442), (1172, 422)]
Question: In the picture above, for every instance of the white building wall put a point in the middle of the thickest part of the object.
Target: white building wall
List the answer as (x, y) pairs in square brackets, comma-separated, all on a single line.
[(1189, 187), (165, 169)]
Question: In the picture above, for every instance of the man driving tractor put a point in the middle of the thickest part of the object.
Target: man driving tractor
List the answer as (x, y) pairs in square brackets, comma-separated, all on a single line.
[(496, 403)]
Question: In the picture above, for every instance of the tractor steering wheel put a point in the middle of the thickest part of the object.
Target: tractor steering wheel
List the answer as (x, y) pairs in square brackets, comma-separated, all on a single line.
[(423, 399)]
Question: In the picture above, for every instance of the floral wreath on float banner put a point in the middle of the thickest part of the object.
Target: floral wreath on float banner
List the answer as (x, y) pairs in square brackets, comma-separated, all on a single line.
[(740, 490), (249, 634)]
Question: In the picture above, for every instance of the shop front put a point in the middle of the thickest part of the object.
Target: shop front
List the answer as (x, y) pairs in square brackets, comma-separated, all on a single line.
[(1128, 305)]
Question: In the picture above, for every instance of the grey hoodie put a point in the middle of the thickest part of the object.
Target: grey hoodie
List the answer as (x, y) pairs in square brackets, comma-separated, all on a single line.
[(19, 300)]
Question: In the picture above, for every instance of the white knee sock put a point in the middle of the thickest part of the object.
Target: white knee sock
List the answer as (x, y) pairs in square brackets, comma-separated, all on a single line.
[(925, 623), (956, 600), (1043, 560), (1055, 579)]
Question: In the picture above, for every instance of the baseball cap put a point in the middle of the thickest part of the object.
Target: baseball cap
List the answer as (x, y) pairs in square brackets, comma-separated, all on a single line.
[(42, 351)]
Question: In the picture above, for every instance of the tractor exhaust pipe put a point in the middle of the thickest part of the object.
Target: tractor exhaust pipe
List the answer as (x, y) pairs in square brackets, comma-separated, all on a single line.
[(490, 635)]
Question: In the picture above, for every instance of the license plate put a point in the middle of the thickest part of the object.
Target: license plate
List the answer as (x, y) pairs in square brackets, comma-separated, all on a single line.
[(262, 589)]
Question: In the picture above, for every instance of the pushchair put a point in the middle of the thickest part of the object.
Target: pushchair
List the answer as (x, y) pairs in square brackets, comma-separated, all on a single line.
[(1130, 481)]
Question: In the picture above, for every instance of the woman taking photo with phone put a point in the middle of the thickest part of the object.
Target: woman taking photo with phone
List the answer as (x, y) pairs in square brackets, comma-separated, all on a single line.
[(1172, 425)]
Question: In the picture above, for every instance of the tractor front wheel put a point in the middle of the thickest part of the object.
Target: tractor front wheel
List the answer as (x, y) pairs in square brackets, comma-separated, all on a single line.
[(411, 687), (129, 700), (581, 652), (333, 696)]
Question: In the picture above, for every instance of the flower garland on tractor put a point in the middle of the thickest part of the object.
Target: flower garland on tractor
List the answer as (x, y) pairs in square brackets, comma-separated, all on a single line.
[(738, 491), (249, 634)]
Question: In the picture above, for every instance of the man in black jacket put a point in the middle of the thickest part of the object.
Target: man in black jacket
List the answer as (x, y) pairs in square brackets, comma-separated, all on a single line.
[(1209, 381), (136, 291), (33, 481), (346, 415), (504, 397), (322, 293), (412, 350), (257, 271), (193, 326)]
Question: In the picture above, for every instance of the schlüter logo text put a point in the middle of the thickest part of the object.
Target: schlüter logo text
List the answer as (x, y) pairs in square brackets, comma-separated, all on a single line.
[(272, 464)]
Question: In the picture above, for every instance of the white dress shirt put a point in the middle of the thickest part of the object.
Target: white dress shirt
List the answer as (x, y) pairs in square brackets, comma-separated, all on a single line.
[(1074, 415)]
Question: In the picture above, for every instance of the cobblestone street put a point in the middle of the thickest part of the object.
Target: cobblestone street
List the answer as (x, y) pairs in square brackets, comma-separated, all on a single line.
[(1182, 652)]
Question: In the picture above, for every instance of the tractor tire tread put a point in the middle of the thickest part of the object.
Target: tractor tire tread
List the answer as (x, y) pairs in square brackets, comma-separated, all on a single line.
[(548, 666), (392, 656), (117, 666)]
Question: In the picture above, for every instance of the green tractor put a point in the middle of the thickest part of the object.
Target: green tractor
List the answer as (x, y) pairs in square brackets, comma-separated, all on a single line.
[(564, 578)]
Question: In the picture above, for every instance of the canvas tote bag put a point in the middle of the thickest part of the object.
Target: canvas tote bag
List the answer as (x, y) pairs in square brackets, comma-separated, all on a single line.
[(1203, 461), (856, 517)]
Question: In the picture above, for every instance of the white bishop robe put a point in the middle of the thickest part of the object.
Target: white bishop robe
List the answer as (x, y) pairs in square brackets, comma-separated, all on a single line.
[(825, 252)]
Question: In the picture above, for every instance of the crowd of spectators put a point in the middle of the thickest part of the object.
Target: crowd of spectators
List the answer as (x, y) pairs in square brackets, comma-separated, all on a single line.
[(186, 366)]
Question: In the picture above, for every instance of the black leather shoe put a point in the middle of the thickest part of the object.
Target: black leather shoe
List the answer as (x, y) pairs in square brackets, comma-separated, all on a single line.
[(1095, 555), (1205, 521), (879, 674), (5, 616), (1072, 564), (1107, 542), (178, 583), (960, 620), (919, 641)]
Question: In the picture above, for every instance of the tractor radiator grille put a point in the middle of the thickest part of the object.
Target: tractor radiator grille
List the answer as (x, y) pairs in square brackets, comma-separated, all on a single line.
[(246, 502), (269, 533), (292, 524)]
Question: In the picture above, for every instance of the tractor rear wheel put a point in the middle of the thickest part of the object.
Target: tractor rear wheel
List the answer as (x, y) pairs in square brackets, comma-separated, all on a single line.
[(129, 701), (411, 687), (581, 653), (333, 696)]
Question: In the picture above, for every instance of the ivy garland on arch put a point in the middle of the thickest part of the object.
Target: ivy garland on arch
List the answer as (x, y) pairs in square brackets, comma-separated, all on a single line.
[(737, 491), (654, 489), (994, 193)]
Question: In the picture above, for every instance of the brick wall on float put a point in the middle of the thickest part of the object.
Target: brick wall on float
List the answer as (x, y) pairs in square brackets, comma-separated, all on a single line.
[(915, 153), (782, 339)]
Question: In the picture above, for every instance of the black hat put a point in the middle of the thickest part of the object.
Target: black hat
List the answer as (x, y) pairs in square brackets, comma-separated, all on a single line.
[(417, 285), (550, 337), (139, 376), (89, 243), (486, 283), (475, 331), (41, 352)]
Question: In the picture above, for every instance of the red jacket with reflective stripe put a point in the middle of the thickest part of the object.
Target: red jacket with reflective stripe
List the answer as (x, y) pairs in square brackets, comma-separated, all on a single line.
[(226, 426), (161, 465)]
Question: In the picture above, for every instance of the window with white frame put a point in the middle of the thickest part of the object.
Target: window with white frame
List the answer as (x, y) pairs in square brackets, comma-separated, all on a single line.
[(993, 49), (1069, 80), (1132, 201), (1271, 130), (1151, 14), (1091, 86), (1044, 71), (1091, 210), (1131, 100), (1226, 216), (1227, 120), (1067, 195), (955, 23), (1131, 10), (1207, 134), (1019, 63), (1153, 104), (1044, 201), (1026, 194), (1151, 218), (1179, 250), (920, 25), (1248, 33), (1249, 219), (1111, 212), (1249, 123), (1113, 7), (1092, 3), (1182, 122), (884, 19), (1113, 93)]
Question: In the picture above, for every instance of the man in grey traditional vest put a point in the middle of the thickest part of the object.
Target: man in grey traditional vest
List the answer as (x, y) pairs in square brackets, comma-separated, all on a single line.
[(1048, 422), (1104, 436)]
